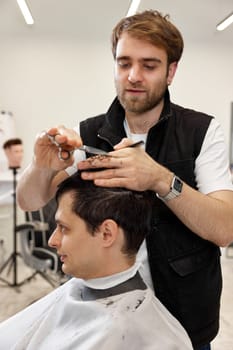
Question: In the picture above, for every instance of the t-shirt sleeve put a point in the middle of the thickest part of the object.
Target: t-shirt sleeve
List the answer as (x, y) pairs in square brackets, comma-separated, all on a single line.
[(212, 169)]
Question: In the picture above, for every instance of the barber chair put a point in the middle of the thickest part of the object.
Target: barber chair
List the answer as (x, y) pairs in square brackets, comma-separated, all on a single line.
[(35, 251)]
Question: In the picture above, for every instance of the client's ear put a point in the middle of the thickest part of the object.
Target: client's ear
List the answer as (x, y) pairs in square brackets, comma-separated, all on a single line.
[(109, 232)]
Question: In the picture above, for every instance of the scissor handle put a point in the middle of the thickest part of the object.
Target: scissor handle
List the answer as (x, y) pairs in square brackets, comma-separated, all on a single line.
[(63, 154), (62, 151)]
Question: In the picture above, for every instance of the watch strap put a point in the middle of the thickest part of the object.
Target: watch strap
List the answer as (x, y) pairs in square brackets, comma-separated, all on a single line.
[(175, 189)]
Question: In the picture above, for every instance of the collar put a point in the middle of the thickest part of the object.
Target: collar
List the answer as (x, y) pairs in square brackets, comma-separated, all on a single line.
[(113, 130), (134, 283), (113, 280), (166, 112)]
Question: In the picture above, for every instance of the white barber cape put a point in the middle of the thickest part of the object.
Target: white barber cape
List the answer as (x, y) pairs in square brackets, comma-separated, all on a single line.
[(62, 320)]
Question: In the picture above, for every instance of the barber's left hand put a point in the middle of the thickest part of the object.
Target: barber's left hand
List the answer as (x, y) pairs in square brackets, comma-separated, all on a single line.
[(126, 167)]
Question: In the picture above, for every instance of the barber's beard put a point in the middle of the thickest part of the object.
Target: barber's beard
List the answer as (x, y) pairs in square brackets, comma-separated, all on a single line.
[(139, 105)]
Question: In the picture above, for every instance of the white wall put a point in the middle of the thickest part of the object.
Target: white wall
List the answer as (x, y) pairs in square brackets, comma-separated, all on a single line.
[(51, 81), (204, 81)]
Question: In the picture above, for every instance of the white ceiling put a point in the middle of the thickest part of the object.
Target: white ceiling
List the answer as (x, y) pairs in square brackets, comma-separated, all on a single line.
[(93, 20)]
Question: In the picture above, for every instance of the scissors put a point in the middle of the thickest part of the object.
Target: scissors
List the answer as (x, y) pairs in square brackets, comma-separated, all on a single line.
[(85, 148)]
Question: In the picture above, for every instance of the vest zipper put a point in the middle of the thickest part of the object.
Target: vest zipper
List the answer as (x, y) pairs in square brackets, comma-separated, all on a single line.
[(105, 139)]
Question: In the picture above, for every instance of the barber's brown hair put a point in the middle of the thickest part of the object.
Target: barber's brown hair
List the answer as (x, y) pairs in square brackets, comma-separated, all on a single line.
[(154, 28)]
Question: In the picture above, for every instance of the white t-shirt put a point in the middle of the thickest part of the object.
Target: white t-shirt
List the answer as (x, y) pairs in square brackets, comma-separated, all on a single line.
[(211, 170), (63, 321)]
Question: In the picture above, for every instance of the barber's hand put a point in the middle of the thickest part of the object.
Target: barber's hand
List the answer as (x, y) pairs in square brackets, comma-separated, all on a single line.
[(125, 142), (127, 167), (46, 153)]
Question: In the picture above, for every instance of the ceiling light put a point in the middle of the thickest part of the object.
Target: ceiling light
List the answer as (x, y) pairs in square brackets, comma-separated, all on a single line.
[(25, 11), (133, 7), (225, 23)]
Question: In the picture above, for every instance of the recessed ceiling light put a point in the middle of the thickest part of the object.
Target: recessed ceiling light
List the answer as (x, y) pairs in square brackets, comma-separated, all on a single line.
[(25, 11), (133, 7), (225, 23)]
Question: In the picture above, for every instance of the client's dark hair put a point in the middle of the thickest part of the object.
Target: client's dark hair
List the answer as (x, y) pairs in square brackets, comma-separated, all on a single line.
[(131, 210)]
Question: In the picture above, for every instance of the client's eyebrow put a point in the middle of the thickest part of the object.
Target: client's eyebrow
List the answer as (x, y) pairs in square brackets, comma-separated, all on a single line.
[(60, 222)]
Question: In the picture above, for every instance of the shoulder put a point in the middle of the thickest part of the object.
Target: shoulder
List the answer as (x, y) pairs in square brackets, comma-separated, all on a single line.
[(191, 124), (190, 116), (95, 121), (146, 322)]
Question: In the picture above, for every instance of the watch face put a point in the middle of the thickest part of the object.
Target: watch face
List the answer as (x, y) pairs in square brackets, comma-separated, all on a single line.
[(178, 184)]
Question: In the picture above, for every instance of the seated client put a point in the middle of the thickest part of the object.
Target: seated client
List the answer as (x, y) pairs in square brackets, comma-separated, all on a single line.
[(106, 305)]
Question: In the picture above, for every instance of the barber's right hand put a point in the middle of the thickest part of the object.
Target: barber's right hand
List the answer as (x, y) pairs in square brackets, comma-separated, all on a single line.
[(46, 153)]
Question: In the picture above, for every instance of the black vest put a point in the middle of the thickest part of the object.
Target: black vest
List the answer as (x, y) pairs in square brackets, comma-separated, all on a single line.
[(185, 269)]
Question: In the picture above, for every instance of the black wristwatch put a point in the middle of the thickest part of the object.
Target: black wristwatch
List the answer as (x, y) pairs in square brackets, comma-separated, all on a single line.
[(175, 189)]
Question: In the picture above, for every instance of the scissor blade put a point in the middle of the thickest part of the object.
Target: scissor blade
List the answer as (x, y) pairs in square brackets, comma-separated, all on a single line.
[(96, 151), (91, 150)]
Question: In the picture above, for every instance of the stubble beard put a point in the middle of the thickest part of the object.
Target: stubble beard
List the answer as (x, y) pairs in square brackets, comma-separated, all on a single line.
[(137, 105)]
